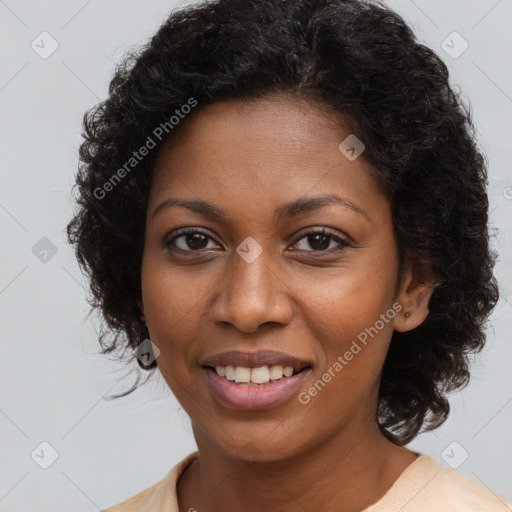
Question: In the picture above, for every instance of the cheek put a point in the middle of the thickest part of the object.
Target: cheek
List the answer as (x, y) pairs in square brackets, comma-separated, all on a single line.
[(348, 300), (343, 313), (169, 292), (353, 340), (173, 308)]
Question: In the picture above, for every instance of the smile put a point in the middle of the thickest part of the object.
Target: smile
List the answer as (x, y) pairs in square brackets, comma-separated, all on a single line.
[(254, 376), (273, 387)]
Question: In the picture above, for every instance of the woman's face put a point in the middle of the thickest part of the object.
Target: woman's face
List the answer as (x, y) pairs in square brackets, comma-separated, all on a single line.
[(248, 277)]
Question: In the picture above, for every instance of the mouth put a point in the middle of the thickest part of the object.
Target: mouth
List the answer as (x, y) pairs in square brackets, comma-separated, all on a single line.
[(259, 376), (251, 389), (254, 380)]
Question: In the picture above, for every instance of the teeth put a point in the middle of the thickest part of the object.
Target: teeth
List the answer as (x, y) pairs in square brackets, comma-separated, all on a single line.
[(242, 374), (230, 372), (276, 372), (260, 375)]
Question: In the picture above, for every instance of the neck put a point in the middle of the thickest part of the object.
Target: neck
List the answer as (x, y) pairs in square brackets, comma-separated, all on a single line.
[(334, 475)]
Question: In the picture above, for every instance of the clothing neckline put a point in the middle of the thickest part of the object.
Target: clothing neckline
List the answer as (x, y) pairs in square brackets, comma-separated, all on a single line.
[(410, 481)]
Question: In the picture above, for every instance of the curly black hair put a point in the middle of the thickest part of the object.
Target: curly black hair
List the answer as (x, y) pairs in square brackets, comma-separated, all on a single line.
[(358, 59)]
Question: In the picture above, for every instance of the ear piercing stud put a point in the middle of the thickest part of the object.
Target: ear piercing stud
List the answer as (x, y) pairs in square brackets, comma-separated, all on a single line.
[(407, 315)]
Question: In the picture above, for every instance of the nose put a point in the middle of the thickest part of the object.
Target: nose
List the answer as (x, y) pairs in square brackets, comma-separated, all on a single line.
[(251, 294)]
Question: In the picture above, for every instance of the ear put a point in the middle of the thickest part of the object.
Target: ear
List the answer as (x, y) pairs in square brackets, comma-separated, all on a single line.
[(414, 295)]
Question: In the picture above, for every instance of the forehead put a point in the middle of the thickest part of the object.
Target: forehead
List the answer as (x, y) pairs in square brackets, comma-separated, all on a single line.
[(272, 119), (273, 147)]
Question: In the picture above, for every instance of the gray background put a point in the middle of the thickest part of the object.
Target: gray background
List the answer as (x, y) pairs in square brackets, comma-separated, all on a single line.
[(52, 379)]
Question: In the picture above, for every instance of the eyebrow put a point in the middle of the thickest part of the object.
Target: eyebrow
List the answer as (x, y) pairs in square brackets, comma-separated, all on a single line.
[(286, 211)]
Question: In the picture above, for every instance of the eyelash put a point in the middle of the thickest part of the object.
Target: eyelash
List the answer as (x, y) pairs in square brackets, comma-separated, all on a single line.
[(322, 231)]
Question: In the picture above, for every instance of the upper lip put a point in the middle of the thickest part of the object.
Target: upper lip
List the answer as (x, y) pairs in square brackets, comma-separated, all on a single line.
[(255, 359)]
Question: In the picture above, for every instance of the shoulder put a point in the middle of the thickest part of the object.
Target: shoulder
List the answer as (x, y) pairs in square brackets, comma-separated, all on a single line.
[(159, 497), (427, 486), (463, 493), (140, 501)]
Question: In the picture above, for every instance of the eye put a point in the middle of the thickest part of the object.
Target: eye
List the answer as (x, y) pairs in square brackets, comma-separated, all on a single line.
[(189, 240), (198, 239), (320, 241)]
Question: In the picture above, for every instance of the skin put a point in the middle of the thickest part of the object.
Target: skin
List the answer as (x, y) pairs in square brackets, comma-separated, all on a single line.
[(249, 158)]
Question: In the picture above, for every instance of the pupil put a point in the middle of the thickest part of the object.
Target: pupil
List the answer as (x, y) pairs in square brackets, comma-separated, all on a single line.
[(324, 241), (196, 240)]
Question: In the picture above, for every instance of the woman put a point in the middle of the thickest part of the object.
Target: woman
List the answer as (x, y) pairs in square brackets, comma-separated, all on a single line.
[(287, 199)]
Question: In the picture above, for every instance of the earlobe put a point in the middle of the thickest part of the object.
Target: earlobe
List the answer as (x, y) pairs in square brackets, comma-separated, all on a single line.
[(414, 296), (413, 315)]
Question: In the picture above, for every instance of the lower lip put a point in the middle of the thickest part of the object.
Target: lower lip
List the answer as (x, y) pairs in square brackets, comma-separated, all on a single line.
[(260, 396)]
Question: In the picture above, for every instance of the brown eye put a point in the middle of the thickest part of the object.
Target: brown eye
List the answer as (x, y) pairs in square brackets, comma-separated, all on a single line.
[(191, 240), (321, 240)]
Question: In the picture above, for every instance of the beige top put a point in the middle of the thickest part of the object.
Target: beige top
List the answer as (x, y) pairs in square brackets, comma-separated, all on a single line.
[(424, 486)]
